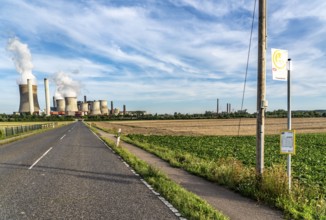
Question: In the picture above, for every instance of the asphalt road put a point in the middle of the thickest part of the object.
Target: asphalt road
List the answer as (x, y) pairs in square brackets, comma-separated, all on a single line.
[(68, 173)]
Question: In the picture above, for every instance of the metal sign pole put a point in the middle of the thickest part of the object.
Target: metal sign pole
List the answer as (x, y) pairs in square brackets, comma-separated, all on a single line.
[(289, 122)]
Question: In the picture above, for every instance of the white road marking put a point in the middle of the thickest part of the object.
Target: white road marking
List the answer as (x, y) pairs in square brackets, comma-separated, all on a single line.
[(39, 158), (62, 137)]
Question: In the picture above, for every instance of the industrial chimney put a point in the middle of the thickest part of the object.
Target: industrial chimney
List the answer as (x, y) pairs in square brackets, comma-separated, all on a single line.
[(54, 104), (96, 108), (30, 96), (24, 99), (104, 107), (112, 110), (61, 105), (47, 97), (124, 110)]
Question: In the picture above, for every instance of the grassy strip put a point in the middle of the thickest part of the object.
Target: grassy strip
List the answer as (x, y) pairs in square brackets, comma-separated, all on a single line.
[(188, 204), (301, 203)]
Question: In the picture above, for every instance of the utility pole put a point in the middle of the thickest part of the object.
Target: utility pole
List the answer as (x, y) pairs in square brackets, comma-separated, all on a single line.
[(261, 88)]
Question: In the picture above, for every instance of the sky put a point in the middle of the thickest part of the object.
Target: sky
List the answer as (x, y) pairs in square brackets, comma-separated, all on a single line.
[(165, 56)]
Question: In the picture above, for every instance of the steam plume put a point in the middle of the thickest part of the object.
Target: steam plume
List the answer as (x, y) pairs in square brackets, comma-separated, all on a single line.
[(22, 59), (65, 86)]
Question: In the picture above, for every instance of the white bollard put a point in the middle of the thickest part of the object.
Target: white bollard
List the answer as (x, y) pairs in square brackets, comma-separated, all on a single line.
[(118, 138)]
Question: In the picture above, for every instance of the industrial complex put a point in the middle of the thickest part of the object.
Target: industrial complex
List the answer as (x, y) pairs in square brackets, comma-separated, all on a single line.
[(68, 106)]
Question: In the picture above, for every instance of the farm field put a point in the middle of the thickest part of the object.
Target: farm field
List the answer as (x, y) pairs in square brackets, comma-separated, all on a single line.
[(308, 164), (203, 147), (215, 126), (220, 140)]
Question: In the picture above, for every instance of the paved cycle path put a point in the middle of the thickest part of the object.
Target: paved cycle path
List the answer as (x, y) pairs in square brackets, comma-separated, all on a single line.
[(228, 202)]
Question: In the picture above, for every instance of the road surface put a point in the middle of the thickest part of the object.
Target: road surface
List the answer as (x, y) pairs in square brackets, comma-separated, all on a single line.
[(68, 173)]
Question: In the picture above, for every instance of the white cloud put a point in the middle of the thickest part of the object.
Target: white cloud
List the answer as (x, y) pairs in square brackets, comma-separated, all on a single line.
[(164, 51)]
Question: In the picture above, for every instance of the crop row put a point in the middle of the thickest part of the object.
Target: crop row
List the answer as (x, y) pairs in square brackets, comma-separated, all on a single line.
[(308, 164)]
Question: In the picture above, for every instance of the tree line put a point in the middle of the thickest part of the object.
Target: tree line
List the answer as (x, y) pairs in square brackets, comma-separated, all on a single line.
[(176, 116)]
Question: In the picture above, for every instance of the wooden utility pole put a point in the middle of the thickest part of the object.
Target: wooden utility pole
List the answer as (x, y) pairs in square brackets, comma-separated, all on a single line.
[(261, 88)]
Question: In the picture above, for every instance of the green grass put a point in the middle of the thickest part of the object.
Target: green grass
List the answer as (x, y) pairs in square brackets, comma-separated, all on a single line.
[(188, 204), (230, 161)]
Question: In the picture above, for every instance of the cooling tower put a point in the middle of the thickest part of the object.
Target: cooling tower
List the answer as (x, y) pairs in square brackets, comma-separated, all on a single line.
[(84, 107), (96, 108), (71, 104), (90, 106), (24, 103), (79, 105), (104, 107), (116, 111), (61, 105), (47, 97)]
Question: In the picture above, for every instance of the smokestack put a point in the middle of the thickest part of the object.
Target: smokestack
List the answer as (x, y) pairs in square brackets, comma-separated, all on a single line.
[(60, 105), (228, 108), (124, 110), (71, 104), (47, 97), (54, 105), (24, 99), (217, 106), (112, 110), (85, 100), (96, 108), (30, 96), (104, 107)]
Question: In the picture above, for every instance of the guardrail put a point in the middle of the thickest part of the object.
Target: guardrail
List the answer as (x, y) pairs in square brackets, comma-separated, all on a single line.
[(14, 130)]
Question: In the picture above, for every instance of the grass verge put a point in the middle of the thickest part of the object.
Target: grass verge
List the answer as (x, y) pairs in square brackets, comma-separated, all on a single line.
[(188, 204)]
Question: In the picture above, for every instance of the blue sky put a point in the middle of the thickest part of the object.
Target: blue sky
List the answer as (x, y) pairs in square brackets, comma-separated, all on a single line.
[(165, 56)]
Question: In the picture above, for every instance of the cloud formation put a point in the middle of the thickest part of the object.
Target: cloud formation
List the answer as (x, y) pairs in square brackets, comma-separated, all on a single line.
[(170, 55)]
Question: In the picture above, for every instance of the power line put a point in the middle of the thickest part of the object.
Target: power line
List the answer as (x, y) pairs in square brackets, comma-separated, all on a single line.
[(247, 66)]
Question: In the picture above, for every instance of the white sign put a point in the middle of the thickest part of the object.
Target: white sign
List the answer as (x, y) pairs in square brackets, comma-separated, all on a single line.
[(288, 142), (279, 64)]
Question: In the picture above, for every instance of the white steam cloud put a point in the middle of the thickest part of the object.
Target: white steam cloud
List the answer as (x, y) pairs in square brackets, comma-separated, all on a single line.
[(23, 60), (65, 86)]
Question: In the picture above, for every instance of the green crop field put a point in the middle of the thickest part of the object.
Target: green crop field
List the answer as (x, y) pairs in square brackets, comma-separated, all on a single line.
[(230, 161), (308, 164)]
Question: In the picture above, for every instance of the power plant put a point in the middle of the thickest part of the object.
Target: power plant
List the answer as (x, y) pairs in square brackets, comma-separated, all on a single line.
[(65, 100), (28, 98)]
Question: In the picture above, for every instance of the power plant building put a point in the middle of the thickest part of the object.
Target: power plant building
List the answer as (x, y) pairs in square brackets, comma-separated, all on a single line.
[(24, 105)]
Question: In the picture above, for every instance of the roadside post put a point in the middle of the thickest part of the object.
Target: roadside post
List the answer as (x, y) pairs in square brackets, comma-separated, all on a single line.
[(281, 68), (118, 138)]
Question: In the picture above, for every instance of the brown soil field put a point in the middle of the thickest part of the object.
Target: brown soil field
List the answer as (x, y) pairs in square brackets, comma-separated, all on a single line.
[(214, 126)]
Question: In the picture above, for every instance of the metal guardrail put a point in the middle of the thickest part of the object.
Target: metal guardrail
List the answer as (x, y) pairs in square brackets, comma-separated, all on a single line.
[(11, 131)]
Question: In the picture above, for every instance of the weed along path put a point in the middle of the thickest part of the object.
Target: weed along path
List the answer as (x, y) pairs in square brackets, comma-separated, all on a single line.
[(231, 204)]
